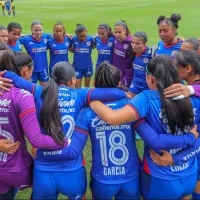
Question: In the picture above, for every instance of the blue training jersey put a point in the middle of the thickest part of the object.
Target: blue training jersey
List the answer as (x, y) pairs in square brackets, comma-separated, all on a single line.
[(8, 4), (139, 67), (37, 49), (164, 49), (16, 46), (147, 104), (82, 52), (104, 49), (58, 50), (114, 155)]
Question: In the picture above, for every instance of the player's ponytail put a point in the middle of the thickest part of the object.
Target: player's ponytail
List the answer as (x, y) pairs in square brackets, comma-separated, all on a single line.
[(50, 116), (178, 114), (80, 28), (172, 21), (107, 76)]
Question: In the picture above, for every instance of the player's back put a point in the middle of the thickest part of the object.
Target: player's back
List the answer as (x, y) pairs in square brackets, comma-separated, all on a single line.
[(148, 104), (114, 155), (70, 101), (12, 107)]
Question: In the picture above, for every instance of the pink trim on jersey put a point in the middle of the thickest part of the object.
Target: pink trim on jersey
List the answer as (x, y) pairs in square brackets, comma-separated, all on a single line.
[(88, 96), (138, 123), (137, 115), (12, 44), (81, 131), (172, 44), (27, 111), (60, 42), (36, 39)]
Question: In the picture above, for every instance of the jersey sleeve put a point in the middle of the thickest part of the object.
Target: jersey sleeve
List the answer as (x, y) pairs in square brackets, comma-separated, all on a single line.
[(27, 115), (186, 154), (77, 144), (140, 104), (105, 94), (20, 82), (48, 35), (162, 141), (23, 39)]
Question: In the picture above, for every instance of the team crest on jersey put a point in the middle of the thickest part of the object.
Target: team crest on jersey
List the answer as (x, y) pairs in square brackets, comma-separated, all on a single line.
[(88, 44), (45, 40), (77, 73), (76, 50), (67, 44), (126, 46), (34, 50), (110, 44), (145, 60)]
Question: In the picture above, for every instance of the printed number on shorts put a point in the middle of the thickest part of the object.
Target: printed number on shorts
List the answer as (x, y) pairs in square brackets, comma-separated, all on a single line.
[(114, 146)]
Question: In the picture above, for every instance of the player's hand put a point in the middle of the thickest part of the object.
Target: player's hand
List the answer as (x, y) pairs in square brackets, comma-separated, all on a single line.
[(164, 160), (5, 83), (70, 36), (176, 90), (8, 146), (193, 130)]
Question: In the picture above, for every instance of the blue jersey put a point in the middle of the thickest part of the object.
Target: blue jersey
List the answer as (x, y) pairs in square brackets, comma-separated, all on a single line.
[(139, 67), (114, 155), (147, 104), (37, 49), (82, 52), (8, 4), (105, 50), (16, 46), (58, 50), (164, 49)]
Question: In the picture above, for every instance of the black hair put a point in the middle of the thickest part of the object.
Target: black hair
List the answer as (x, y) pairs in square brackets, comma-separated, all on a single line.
[(107, 76), (59, 24), (141, 35), (80, 28), (172, 21), (50, 115), (188, 57), (13, 25), (15, 61), (194, 42), (124, 25), (107, 28), (179, 113), (36, 22), (2, 27)]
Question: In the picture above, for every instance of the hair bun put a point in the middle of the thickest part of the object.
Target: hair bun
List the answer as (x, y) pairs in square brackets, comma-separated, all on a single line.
[(161, 18), (175, 17)]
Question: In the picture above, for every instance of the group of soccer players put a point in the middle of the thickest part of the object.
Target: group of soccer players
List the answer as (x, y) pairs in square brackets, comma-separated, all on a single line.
[(137, 90), (9, 5)]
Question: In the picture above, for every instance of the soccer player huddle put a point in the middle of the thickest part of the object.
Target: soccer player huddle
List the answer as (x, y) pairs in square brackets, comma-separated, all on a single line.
[(137, 89)]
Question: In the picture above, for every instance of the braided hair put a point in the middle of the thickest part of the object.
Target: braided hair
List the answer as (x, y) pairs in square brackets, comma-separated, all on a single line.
[(107, 76)]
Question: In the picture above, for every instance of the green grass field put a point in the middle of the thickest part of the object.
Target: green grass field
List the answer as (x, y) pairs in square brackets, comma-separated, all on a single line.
[(140, 15)]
